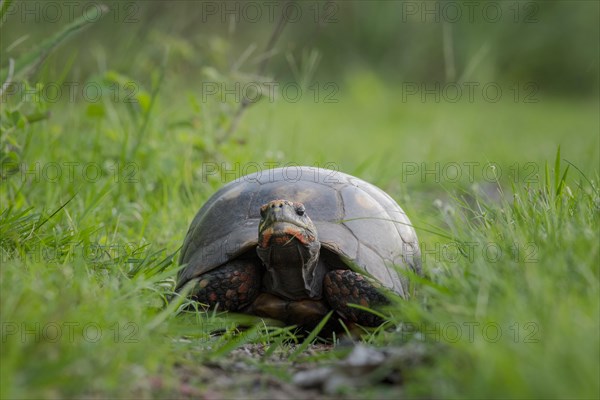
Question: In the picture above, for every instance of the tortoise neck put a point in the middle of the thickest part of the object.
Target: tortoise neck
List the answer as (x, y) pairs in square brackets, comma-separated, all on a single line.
[(292, 270)]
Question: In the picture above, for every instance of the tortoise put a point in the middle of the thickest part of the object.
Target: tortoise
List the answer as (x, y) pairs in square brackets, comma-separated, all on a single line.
[(294, 243)]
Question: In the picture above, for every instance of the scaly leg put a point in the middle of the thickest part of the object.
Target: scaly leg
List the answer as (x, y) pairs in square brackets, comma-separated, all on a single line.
[(343, 287), (232, 286)]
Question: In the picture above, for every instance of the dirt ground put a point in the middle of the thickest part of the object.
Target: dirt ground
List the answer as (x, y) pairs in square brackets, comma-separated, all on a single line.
[(365, 373)]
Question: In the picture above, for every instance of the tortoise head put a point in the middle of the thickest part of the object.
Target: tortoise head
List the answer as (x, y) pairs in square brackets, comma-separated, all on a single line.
[(289, 248), (282, 221)]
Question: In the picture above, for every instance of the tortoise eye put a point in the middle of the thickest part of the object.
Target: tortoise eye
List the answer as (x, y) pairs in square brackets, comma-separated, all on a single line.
[(300, 210)]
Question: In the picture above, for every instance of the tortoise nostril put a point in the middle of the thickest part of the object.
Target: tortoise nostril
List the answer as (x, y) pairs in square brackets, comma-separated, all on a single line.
[(280, 205)]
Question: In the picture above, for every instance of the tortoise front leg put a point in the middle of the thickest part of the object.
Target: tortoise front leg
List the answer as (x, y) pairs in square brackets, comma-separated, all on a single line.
[(231, 287), (343, 287)]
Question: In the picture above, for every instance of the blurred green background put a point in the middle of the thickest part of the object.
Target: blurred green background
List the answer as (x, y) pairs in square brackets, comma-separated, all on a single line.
[(427, 82), (551, 43), (457, 109)]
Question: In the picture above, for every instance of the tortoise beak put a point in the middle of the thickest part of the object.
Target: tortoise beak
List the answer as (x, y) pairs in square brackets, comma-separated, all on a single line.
[(282, 221)]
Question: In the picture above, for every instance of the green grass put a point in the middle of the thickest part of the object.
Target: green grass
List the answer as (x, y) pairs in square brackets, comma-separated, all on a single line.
[(93, 251)]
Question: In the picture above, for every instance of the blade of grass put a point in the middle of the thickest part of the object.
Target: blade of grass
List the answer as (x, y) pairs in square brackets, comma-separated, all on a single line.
[(155, 89), (236, 341), (584, 176), (557, 170), (3, 9), (313, 334), (37, 55), (274, 346), (54, 213), (367, 309), (346, 330), (562, 182), (547, 189), (170, 309)]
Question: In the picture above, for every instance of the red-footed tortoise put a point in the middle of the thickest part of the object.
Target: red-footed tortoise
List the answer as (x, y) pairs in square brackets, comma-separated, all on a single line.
[(294, 243)]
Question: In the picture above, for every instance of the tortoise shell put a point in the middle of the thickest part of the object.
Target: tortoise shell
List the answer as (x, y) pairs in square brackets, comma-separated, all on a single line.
[(355, 220)]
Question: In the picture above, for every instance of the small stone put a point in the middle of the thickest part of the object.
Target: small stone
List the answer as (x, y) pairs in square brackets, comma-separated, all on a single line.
[(312, 378), (337, 382), (362, 356)]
